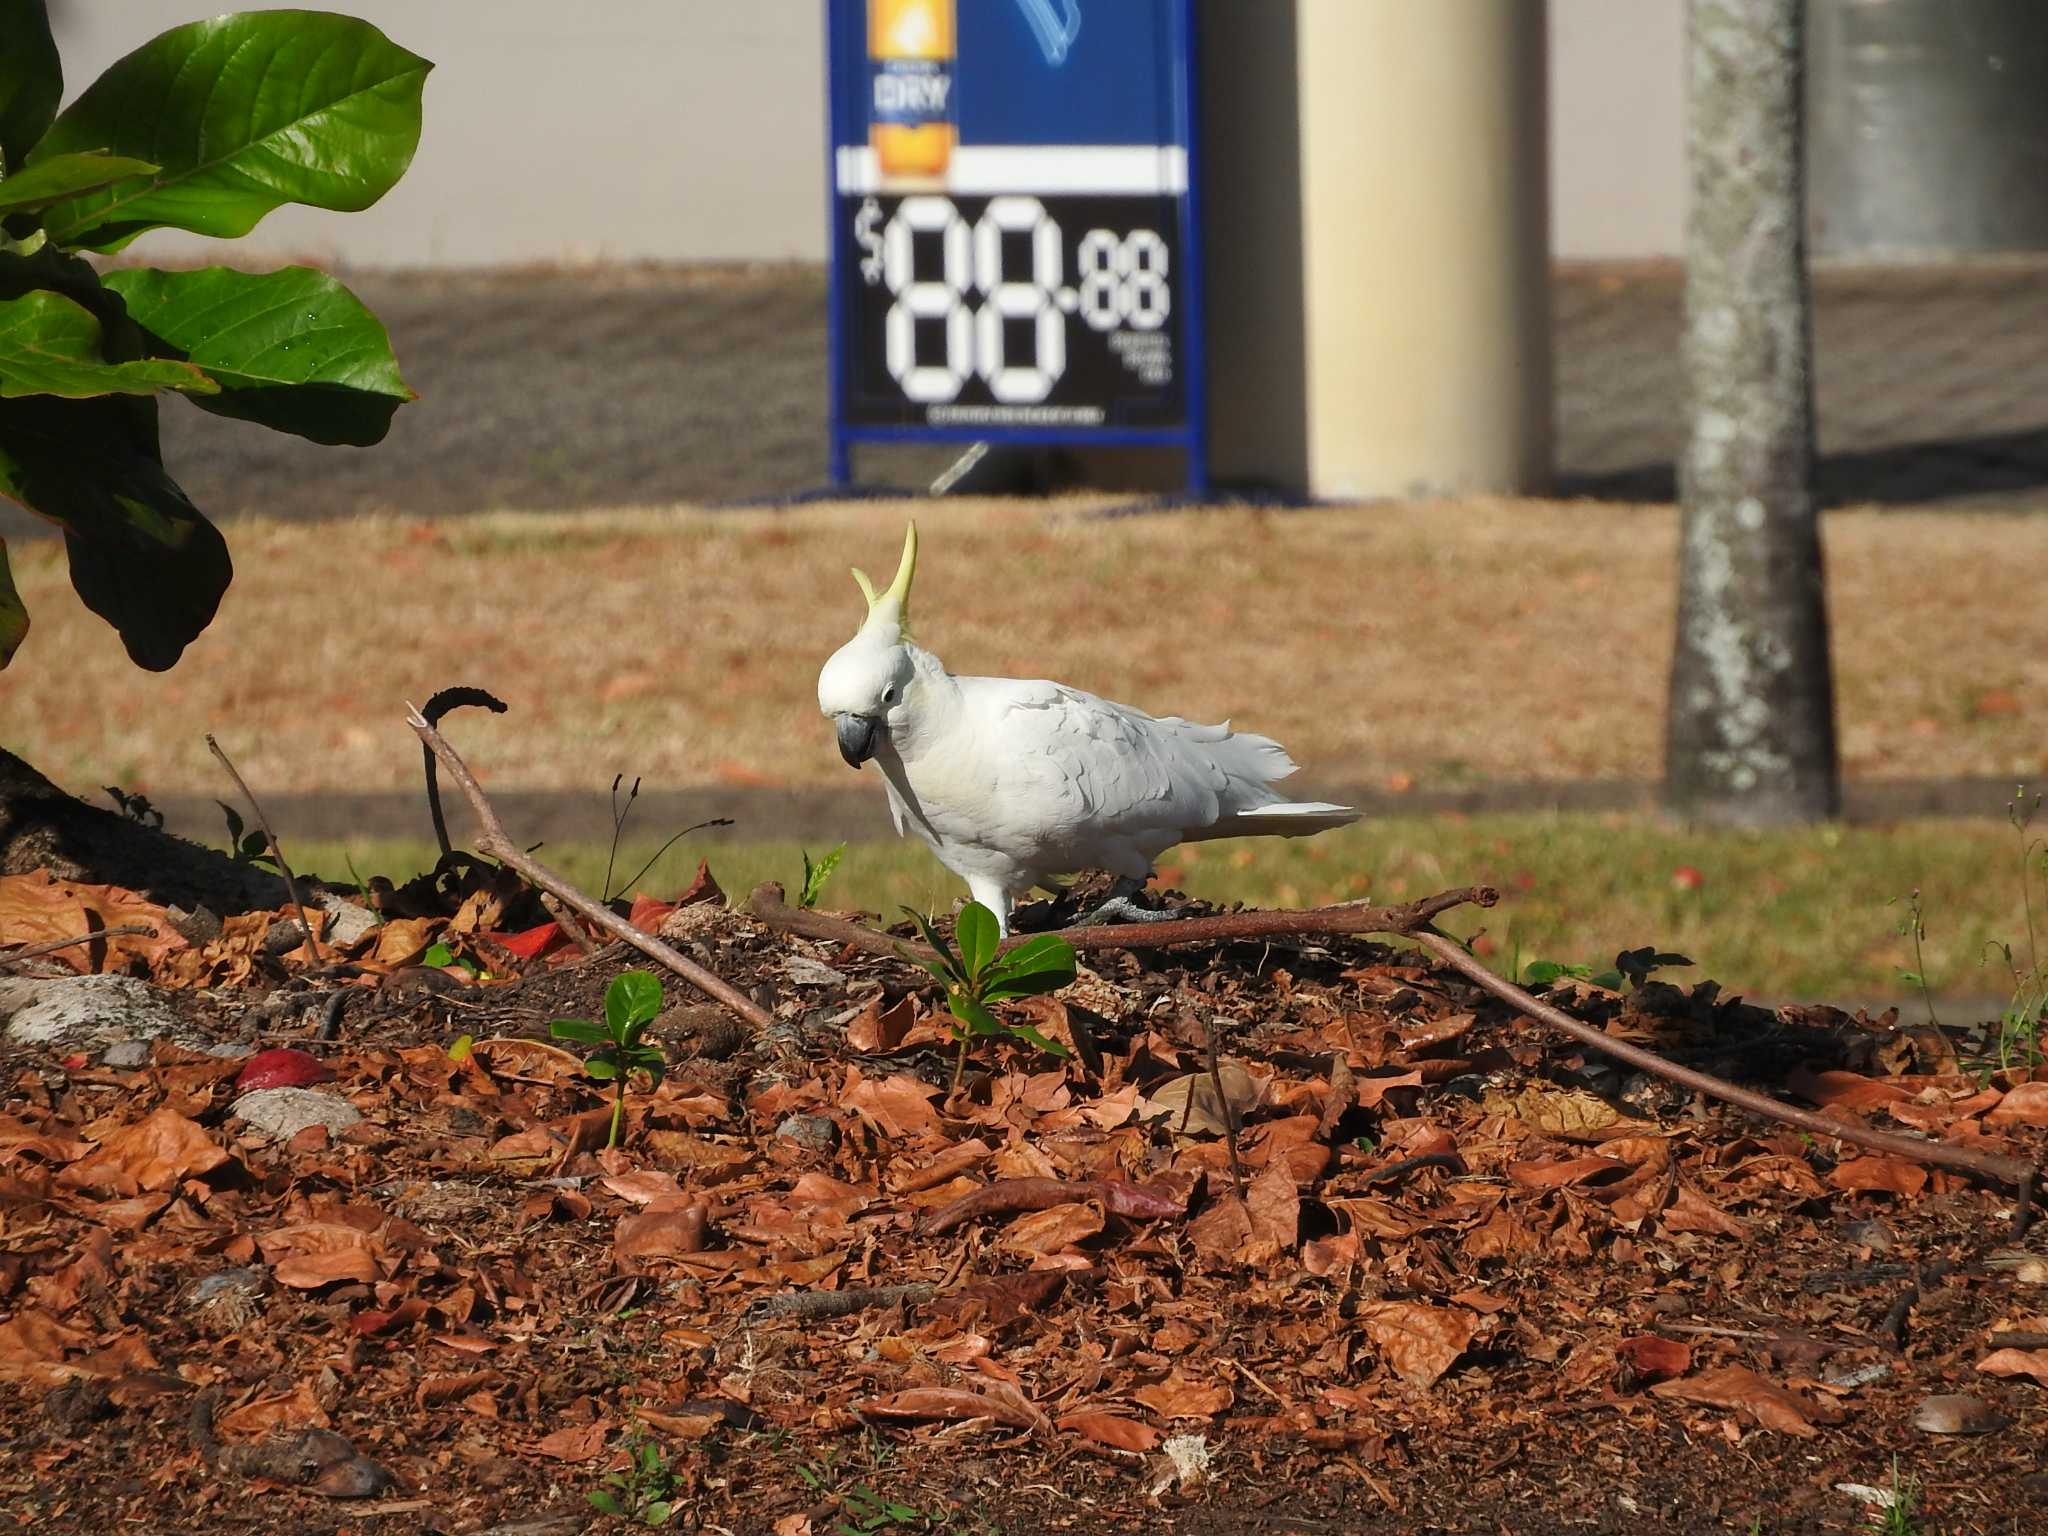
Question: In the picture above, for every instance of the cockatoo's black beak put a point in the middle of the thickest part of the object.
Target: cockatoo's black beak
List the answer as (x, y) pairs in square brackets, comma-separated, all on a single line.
[(856, 738)]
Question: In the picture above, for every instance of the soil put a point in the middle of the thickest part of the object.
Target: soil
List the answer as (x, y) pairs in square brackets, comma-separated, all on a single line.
[(1456, 1275)]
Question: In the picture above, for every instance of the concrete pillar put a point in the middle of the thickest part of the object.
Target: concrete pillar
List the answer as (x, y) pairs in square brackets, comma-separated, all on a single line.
[(1422, 342)]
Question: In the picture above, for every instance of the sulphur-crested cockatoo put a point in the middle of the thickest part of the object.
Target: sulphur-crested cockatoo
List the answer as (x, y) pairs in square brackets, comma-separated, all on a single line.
[(1014, 783)]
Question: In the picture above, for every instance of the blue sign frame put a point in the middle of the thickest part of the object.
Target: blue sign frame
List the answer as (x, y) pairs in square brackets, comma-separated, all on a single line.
[(1062, 118)]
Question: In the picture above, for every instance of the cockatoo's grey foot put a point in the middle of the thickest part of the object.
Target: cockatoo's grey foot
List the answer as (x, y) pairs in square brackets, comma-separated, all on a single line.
[(1121, 908)]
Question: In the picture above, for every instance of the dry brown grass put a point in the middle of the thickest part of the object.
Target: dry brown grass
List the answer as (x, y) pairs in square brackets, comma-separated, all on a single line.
[(1438, 641)]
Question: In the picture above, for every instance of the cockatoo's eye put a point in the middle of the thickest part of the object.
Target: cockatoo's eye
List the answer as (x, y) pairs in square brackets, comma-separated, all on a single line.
[(889, 694)]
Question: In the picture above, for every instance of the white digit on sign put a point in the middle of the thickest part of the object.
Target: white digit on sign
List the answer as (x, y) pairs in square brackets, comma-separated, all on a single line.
[(927, 299), (1101, 283), (1147, 296), (1008, 299)]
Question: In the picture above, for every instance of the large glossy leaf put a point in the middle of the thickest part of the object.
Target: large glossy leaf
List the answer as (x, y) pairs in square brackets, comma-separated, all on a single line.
[(975, 930), (50, 345), (13, 613), (291, 349), (142, 556), (244, 113), (634, 997), (31, 78), (61, 176)]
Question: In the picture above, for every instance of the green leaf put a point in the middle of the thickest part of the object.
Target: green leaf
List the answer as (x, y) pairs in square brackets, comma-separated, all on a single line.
[(13, 613), (634, 997), (1026, 1032), (937, 940), (601, 1067), (142, 556), (50, 345), (1542, 972), (657, 1513), (31, 78), (978, 936), (971, 1013), (462, 1047), (583, 1031), (438, 955), (604, 1503), (244, 113), (815, 875), (292, 350), (1043, 964), (63, 176)]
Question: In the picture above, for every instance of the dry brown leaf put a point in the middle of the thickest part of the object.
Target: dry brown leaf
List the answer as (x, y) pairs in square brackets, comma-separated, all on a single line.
[(33, 1345), (1739, 1388), (1653, 1358), (874, 1030), (1893, 1175), (678, 1224), (1567, 1113), (1503, 1235), (154, 1154), (946, 1403), (1419, 1341), (1370, 1090), (36, 908), (402, 940), (1189, 1103), (1182, 1397), (1691, 1211), (310, 1271), (1110, 1429), (2017, 1362), (897, 1107), (296, 1409), (1556, 1173), (1046, 1232), (643, 1186), (582, 1442), (2025, 1105), (1846, 1090)]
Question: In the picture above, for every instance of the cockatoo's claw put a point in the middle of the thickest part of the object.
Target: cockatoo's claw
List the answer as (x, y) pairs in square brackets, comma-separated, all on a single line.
[(1120, 909)]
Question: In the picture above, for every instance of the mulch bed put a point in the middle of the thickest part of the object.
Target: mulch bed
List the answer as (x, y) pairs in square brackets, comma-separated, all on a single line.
[(1420, 1267)]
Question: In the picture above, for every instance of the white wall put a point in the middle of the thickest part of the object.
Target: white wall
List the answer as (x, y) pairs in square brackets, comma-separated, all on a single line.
[(676, 130)]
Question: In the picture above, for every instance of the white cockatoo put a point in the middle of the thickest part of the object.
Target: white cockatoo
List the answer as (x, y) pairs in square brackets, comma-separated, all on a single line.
[(1015, 783)]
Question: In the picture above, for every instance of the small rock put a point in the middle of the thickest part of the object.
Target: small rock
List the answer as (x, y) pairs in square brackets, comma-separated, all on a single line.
[(806, 972), (282, 937), (1956, 1413), (126, 1055), (699, 917), (284, 1112), (90, 1013), (814, 1133), (346, 921)]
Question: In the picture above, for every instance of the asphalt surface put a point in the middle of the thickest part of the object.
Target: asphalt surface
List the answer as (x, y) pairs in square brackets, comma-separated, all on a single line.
[(564, 389)]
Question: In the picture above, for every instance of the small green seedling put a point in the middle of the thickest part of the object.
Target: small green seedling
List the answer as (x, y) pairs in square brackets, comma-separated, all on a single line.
[(631, 1003), (1914, 926), (244, 847), (815, 875), (644, 1491), (976, 976)]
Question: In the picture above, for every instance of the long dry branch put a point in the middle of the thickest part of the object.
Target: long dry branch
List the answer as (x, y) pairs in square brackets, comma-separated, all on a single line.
[(496, 844), (2009, 1171), (767, 903)]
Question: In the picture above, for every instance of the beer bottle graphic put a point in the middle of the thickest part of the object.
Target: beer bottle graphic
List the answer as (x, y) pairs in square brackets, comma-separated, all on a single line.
[(911, 48)]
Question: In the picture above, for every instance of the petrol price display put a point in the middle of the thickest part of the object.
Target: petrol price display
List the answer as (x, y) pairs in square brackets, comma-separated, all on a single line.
[(1013, 242)]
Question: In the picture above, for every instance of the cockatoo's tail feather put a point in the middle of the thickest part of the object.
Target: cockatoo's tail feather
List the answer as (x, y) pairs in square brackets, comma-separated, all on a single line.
[(890, 610), (1295, 818)]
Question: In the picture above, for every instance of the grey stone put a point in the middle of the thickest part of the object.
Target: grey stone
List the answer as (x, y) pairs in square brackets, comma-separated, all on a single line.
[(346, 921), (806, 972), (814, 1133), (90, 1013), (126, 1055), (284, 1112)]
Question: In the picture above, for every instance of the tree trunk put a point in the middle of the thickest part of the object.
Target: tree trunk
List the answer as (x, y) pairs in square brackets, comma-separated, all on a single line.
[(41, 827), (1751, 731)]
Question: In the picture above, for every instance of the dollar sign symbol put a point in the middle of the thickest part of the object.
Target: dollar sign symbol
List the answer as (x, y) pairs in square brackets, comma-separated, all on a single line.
[(869, 239)]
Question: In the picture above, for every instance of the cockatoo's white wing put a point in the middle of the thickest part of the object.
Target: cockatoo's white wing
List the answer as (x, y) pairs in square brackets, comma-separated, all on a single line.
[(1068, 767)]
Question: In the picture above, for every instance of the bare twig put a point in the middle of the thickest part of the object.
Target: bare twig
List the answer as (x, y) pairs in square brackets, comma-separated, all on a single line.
[(768, 905), (567, 922), (1229, 1113), (496, 844), (437, 706), (119, 931), (1408, 1165), (2009, 1171), (291, 885)]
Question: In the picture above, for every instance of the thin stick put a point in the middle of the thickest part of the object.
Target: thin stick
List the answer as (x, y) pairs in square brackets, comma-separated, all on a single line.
[(555, 908), (120, 931), (495, 844), (768, 905), (291, 884), (1984, 1165), (1228, 1110)]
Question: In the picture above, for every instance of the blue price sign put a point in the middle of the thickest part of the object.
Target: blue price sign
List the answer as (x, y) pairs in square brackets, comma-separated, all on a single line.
[(1015, 255)]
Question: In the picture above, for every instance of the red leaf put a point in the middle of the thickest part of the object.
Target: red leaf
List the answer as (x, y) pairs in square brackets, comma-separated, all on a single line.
[(1111, 1430), (647, 913), (281, 1068), (1655, 1359), (531, 943)]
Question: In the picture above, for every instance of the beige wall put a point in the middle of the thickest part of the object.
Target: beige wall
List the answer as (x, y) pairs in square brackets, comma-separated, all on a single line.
[(692, 129)]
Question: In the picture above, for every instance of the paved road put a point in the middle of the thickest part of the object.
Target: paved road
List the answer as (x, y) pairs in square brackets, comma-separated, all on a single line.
[(568, 389)]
